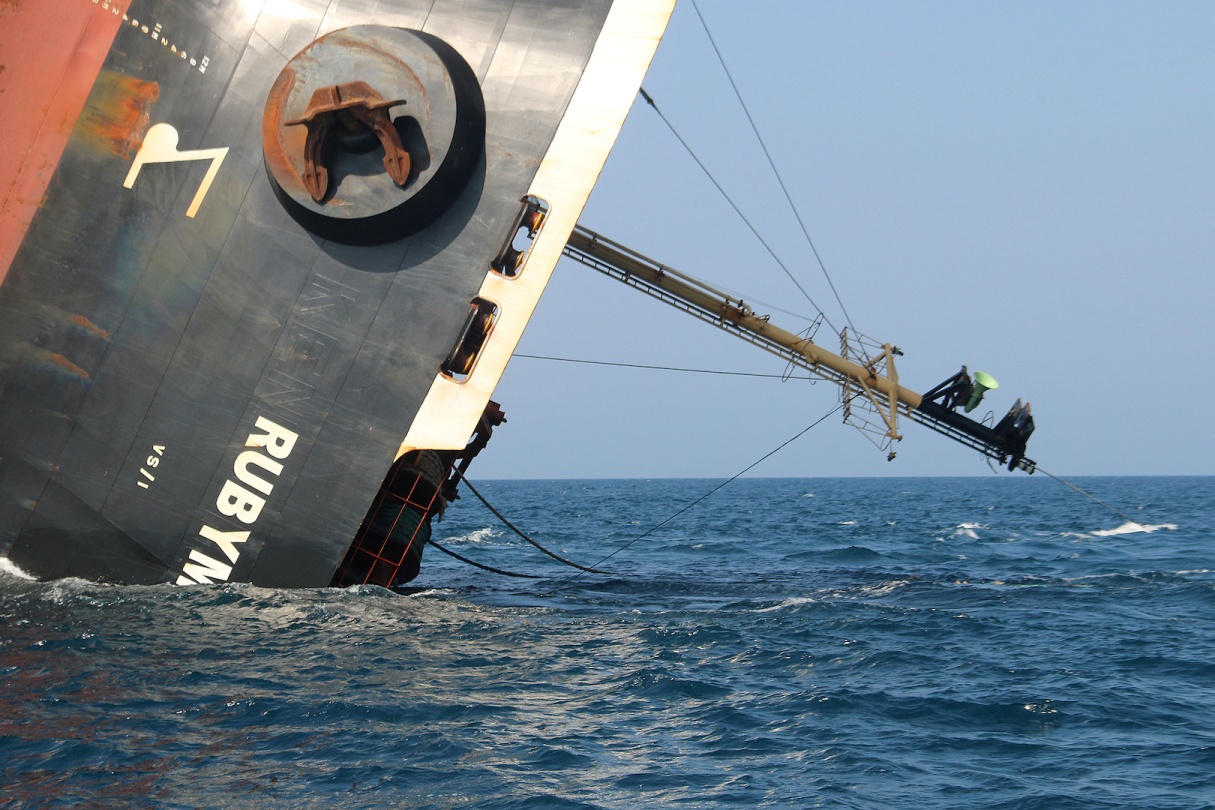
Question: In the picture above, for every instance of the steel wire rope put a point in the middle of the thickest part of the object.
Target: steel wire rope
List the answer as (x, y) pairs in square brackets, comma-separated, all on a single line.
[(520, 532), (687, 507), (649, 100), (483, 567), (663, 368), (1092, 498), (821, 419), (593, 569), (723, 484), (772, 165)]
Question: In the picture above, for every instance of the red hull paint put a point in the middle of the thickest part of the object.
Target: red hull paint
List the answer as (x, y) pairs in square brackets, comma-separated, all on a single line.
[(50, 56)]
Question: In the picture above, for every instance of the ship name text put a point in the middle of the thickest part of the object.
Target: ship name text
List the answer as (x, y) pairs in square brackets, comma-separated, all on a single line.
[(242, 497)]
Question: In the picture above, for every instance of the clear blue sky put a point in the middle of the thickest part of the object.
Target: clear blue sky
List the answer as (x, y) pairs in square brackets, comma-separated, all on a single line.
[(1026, 188)]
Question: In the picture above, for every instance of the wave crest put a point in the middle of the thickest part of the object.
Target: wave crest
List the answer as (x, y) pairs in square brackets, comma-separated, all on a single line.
[(1130, 527)]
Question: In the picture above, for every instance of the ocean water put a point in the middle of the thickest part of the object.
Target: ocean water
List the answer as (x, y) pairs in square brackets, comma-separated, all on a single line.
[(992, 642)]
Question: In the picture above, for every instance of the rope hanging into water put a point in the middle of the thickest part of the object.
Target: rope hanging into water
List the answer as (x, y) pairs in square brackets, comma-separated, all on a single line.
[(594, 569), (772, 165), (1092, 498), (519, 532), (476, 564), (729, 480)]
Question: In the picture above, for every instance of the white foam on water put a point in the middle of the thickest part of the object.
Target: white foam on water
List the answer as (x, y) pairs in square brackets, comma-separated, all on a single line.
[(1130, 527), (7, 566), (792, 601), (883, 588), (478, 536)]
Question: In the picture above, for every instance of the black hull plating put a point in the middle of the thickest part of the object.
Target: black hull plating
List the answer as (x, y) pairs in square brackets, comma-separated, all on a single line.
[(155, 366)]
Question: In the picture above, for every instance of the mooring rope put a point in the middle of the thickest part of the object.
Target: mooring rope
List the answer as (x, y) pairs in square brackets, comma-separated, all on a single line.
[(476, 564), (729, 480), (594, 569), (1092, 498)]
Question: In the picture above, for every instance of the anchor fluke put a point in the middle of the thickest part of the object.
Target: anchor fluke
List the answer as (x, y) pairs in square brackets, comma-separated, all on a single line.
[(351, 106)]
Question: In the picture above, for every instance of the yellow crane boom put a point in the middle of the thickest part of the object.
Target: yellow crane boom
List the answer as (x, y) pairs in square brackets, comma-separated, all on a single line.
[(868, 381)]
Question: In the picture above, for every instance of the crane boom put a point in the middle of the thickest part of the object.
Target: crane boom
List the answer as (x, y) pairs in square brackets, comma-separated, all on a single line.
[(866, 381)]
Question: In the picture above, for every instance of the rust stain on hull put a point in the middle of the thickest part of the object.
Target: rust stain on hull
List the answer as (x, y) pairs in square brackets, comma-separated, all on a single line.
[(118, 114), (89, 326), (38, 359), (69, 366)]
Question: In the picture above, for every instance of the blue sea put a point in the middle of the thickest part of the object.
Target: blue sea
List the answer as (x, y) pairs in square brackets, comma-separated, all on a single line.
[(997, 642)]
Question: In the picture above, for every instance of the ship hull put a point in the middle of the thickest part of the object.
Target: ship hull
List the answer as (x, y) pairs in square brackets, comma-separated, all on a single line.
[(199, 382)]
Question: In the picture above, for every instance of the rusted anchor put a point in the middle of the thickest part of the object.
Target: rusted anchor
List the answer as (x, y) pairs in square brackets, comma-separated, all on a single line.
[(352, 106)]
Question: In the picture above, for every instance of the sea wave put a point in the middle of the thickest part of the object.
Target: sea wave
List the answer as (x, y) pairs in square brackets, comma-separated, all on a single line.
[(10, 568), (1130, 527), (483, 535), (815, 665)]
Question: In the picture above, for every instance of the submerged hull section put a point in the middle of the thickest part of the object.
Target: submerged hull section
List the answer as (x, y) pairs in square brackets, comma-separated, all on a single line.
[(200, 380)]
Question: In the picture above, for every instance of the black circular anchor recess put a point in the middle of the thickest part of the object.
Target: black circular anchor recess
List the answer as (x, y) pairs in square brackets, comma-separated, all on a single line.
[(370, 133)]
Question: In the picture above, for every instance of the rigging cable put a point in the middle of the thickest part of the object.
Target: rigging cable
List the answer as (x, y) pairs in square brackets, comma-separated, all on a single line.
[(649, 100), (519, 532), (594, 569), (1092, 498), (720, 486), (476, 564), (772, 165), (730, 480), (663, 368)]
